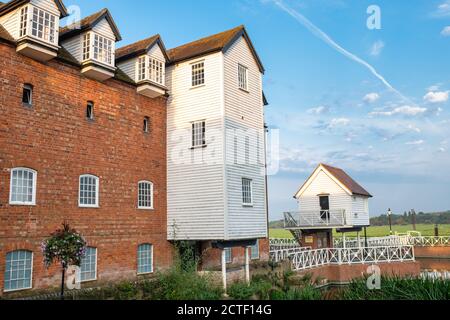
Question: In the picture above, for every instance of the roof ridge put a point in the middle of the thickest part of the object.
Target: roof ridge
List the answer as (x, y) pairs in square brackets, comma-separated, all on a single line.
[(240, 27)]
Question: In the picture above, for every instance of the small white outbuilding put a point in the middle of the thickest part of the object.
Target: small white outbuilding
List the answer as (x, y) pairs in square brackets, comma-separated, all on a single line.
[(329, 199)]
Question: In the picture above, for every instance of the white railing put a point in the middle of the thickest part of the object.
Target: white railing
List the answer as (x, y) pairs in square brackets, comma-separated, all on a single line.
[(282, 244), (319, 218), (443, 241), (286, 254), (304, 260), (399, 240), (372, 242)]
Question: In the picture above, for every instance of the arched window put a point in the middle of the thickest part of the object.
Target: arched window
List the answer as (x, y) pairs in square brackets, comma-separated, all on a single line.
[(88, 266), (145, 195), (145, 258), (23, 187), (88, 196), (18, 270)]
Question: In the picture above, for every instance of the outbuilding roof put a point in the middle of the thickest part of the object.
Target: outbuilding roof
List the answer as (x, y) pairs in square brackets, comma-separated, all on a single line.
[(342, 177)]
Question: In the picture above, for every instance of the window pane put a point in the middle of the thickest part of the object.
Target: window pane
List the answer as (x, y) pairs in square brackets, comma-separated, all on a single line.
[(198, 74), (18, 270), (198, 134), (255, 251), (145, 196), (22, 186), (89, 265), (88, 191), (247, 191), (145, 263)]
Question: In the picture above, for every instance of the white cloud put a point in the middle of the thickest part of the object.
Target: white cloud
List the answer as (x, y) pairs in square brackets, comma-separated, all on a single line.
[(415, 143), (436, 96), (446, 32), (414, 128), (404, 110), (434, 87), (377, 48), (443, 10), (319, 110), (371, 97), (339, 122)]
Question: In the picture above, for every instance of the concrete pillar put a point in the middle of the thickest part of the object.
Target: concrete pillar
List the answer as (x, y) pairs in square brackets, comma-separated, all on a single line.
[(224, 270), (247, 265)]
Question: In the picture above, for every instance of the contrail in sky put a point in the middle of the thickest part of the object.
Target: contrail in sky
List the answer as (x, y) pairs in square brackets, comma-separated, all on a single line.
[(327, 39)]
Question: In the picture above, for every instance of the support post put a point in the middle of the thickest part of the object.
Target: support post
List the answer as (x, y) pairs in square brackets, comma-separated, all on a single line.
[(365, 237), (359, 240), (344, 240), (224, 270), (247, 265)]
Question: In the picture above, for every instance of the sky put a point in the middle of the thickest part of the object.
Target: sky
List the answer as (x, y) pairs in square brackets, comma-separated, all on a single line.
[(374, 102)]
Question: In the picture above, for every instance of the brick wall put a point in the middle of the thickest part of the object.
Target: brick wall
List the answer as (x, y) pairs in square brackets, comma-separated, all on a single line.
[(212, 258), (55, 139)]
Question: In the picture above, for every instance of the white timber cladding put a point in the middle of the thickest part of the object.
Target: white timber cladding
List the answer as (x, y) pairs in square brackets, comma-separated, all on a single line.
[(74, 46), (205, 200), (48, 5), (244, 112), (195, 185), (11, 22), (323, 183), (103, 28)]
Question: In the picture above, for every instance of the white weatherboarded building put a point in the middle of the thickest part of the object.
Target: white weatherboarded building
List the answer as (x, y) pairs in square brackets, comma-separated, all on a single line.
[(216, 148), (329, 199)]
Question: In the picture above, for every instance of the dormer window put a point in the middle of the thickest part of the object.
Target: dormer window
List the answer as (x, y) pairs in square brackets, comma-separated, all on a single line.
[(39, 24), (37, 31), (151, 69), (98, 48)]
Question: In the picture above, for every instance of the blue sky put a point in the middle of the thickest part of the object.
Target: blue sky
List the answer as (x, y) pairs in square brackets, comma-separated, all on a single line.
[(329, 108)]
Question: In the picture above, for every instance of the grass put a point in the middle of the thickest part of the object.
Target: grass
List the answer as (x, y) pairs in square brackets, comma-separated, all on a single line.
[(425, 229)]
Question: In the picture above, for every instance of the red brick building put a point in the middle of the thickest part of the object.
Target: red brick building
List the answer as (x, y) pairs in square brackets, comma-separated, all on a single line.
[(80, 142)]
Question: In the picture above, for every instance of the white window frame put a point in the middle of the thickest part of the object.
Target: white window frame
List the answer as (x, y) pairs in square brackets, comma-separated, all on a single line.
[(229, 256), (151, 69), (152, 248), (89, 48), (195, 81), (96, 267), (249, 204), (243, 78), (26, 27), (151, 195), (251, 251), (23, 203), (195, 136), (31, 275), (97, 192)]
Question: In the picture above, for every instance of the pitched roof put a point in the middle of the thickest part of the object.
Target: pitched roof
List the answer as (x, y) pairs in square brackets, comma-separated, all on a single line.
[(140, 47), (347, 181), (13, 4), (88, 23), (215, 43), (340, 175)]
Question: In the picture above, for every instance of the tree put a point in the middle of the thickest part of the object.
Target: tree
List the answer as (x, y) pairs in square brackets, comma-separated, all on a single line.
[(65, 246)]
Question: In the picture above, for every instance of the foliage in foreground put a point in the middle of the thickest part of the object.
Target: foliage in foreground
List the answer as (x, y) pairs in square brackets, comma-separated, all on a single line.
[(399, 289)]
